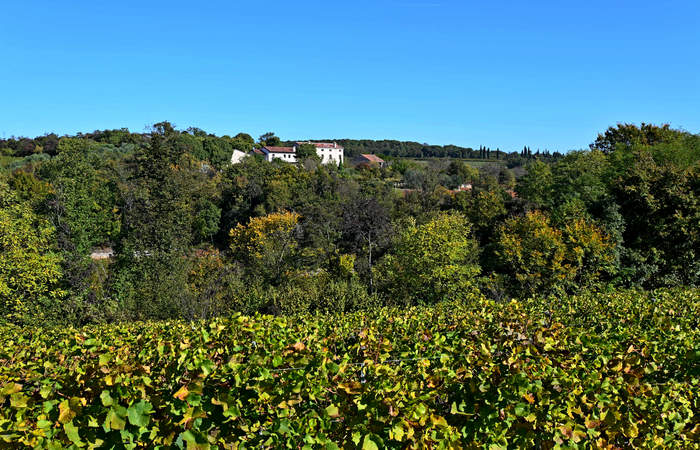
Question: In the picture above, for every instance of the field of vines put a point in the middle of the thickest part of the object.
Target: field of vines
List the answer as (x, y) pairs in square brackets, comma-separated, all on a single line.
[(613, 370)]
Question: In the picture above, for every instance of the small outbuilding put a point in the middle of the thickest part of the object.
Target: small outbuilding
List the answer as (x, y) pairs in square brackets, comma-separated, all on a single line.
[(369, 160)]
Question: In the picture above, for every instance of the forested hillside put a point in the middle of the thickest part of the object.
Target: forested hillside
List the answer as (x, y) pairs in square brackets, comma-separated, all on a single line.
[(18, 151), (154, 295), (194, 237)]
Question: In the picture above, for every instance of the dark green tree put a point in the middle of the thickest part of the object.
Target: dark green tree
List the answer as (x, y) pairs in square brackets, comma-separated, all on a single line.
[(270, 139), (156, 231), (627, 135)]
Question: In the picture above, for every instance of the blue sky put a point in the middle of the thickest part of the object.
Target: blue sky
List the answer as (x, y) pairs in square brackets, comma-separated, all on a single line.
[(547, 74)]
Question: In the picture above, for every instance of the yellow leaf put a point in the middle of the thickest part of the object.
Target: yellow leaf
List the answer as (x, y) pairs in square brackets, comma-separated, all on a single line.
[(66, 414), (182, 393)]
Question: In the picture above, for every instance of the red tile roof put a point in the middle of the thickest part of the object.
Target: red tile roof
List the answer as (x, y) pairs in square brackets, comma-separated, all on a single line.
[(257, 151), (321, 144), (372, 158), (279, 149)]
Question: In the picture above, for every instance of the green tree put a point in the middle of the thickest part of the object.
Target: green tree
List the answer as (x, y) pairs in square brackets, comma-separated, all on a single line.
[(431, 262), (255, 188), (270, 139), (537, 185), (267, 245), (218, 150), (83, 202), (307, 151), (484, 209), (367, 229), (321, 233), (156, 231), (206, 221), (461, 173), (30, 271), (245, 137), (28, 188), (243, 142), (626, 135), (660, 207), (540, 258)]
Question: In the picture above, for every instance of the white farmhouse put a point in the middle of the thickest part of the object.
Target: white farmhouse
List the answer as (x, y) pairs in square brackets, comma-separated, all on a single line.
[(328, 152), (288, 154)]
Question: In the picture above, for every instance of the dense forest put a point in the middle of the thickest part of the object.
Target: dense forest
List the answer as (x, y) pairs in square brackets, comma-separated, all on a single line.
[(193, 236)]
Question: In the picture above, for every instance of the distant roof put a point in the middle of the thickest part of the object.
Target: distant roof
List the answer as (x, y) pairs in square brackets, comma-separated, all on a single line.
[(279, 149), (257, 151), (322, 144), (373, 158)]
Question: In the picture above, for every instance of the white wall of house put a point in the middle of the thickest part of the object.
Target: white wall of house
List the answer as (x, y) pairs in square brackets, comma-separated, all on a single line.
[(284, 156), (332, 155), (329, 153), (237, 156)]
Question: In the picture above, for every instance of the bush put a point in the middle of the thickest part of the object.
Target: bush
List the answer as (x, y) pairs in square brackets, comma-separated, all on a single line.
[(319, 292), (539, 257), (431, 262), (30, 270)]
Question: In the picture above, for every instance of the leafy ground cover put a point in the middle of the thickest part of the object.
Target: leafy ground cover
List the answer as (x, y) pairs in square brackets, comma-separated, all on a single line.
[(612, 370)]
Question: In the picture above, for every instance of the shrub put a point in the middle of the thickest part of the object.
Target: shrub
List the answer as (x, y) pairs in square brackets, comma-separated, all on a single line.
[(431, 262), (541, 258)]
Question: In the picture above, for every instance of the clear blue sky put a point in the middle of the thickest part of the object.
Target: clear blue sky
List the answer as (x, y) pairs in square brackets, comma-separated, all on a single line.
[(548, 74)]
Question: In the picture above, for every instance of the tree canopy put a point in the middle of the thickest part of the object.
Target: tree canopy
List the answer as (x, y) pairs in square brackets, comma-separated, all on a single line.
[(185, 233)]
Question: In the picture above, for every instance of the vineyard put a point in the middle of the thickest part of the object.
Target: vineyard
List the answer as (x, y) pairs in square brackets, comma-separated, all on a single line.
[(612, 370)]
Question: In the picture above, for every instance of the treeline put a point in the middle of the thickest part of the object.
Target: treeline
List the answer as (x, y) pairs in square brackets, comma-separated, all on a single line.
[(409, 149), (217, 149), (193, 236), (214, 149)]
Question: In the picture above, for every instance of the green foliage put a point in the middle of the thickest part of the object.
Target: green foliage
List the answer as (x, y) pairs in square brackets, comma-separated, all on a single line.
[(158, 220), (30, 189), (542, 258), (166, 200), (256, 188), (29, 265), (536, 185), (615, 370), (319, 292), (462, 173), (305, 151), (484, 209), (643, 191), (660, 206), (266, 244), (83, 201), (206, 221), (269, 138), (367, 229), (214, 287), (628, 135), (431, 262)]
